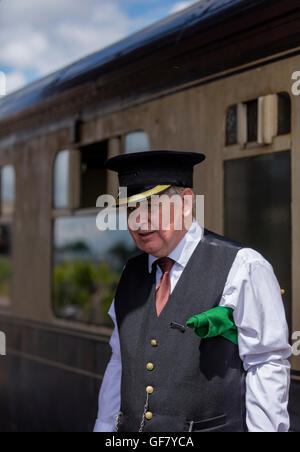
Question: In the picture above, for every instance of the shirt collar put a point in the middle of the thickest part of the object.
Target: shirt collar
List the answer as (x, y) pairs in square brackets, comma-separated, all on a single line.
[(185, 248)]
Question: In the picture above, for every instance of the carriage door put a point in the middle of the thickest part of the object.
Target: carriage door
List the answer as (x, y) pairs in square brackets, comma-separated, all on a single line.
[(257, 182)]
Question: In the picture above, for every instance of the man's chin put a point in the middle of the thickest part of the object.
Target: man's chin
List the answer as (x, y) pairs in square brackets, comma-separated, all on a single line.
[(150, 247)]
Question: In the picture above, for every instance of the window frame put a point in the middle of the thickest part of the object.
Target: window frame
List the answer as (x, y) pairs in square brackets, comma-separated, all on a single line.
[(267, 122)]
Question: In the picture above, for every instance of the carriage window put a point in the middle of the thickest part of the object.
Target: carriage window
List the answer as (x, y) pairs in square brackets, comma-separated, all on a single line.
[(93, 174), (284, 113), (87, 262), (87, 267), (7, 190), (136, 142), (5, 265), (258, 210), (80, 177), (7, 175), (252, 118), (259, 121)]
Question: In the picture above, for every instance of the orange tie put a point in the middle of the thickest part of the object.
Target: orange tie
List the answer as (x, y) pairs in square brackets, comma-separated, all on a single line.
[(164, 286)]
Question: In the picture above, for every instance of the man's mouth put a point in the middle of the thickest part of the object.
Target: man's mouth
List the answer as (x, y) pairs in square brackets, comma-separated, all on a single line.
[(146, 234)]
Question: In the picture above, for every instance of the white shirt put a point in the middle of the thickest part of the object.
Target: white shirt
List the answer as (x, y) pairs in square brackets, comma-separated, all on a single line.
[(252, 290)]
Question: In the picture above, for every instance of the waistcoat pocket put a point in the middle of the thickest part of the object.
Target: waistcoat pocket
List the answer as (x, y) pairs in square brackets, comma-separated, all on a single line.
[(207, 424)]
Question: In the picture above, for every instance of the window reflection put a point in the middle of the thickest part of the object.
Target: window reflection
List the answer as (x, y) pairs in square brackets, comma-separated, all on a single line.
[(5, 265), (7, 189), (61, 180), (137, 142), (87, 267), (258, 210)]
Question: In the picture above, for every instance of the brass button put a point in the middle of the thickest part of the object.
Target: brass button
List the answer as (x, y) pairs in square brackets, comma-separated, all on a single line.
[(149, 415), (282, 291), (149, 389), (154, 343), (150, 366)]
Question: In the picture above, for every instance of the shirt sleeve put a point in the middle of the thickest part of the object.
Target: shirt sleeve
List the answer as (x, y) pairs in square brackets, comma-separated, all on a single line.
[(253, 291), (109, 396)]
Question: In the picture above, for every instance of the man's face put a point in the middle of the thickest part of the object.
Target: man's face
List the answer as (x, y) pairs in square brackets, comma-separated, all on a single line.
[(157, 225)]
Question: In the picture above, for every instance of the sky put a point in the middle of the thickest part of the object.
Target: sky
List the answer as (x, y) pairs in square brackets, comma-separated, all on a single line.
[(38, 37)]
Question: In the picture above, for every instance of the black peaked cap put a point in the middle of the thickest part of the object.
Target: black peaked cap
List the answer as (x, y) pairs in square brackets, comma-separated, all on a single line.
[(142, 172)]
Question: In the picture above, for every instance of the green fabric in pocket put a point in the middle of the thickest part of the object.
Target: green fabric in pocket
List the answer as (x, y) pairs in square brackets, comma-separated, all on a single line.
[(215, 322)]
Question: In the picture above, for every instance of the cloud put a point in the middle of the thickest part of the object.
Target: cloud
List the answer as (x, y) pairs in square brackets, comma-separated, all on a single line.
[(180, 6), (23, 51), (38, 37), (44, 36), (14, 81)]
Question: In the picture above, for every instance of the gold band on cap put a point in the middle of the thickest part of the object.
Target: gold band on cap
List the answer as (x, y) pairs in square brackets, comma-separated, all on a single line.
[(142, 196)]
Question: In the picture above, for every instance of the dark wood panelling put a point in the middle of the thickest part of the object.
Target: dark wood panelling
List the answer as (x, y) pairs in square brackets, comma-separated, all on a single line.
[(294, 405), (50, 378)]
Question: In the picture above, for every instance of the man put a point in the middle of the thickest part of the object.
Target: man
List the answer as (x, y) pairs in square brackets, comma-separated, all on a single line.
[(162, 377)]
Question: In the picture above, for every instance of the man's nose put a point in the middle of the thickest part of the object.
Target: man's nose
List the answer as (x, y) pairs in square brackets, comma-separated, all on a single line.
[(144, 219)]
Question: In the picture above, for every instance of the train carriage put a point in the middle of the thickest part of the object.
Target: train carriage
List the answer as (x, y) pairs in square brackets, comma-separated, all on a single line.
[(215, 78)]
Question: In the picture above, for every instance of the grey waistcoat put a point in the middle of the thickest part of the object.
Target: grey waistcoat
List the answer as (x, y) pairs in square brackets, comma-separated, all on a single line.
[(199, 385)]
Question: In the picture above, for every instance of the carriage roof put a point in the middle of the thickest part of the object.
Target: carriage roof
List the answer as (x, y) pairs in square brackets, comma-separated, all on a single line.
[(166, 32), (216, 27)]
